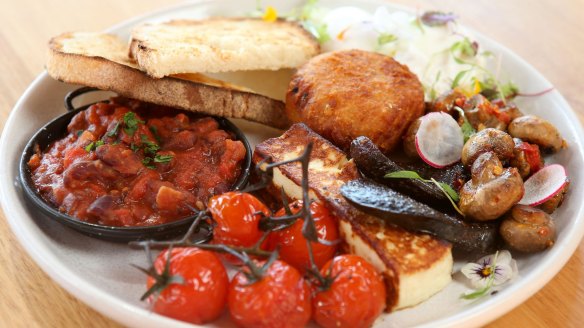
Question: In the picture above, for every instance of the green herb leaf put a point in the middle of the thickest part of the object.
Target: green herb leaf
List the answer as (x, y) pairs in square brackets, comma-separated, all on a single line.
[(134, 147), (89, 147), (479, 293), (404, 174), (147, 161), (150, 148), (509, 90), (467, 129), (94, 145), (457, 79), (464, 48), (114, 131), (385, 38), (320, 31), (163, 158), (433, 94), (450, 198), (451, 192), (131, 122), (418, 23), (308, 10), (154, 131)]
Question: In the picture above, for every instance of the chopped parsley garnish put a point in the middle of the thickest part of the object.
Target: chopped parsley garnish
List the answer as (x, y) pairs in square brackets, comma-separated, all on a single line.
[(147, 161), (150, 148), (134, 147), (131, 122), (114, 131), (151, 155), (162, 158), (154, 131), (94, 145)]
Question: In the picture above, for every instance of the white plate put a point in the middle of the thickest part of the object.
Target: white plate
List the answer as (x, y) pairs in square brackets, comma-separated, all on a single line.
[(99, 273)]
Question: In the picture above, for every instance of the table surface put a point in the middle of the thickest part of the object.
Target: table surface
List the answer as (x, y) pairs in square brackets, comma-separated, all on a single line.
[(548, 34)]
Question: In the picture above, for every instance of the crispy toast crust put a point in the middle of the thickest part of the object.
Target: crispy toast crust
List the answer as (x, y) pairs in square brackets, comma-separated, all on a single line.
[(127, 80), (195, 46), (401, 253)]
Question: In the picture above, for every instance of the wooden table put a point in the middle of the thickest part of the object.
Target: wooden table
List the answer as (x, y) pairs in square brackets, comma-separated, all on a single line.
[(548, 34)]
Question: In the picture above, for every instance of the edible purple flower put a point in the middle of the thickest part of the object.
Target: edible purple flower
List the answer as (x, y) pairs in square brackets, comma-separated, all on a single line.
[(491, 270)]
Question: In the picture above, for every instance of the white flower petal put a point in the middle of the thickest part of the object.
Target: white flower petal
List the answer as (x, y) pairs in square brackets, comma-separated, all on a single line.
[(472, 272), (504, 257), (470, 269), (486, 260), (503, 272), (514, 269), (479, 283)]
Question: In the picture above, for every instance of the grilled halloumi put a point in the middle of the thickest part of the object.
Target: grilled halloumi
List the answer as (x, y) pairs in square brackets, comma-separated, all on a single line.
[(415, 266)]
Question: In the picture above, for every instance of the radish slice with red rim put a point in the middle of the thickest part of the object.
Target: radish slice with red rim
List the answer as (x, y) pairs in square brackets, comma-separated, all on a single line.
[(544, 184), (439, 140)]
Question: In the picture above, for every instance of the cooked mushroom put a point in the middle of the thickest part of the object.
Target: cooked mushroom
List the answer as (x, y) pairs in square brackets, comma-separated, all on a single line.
[(526, 158), (553, 203), (446, 101), (482, 114), (509, 109), (537, 131), (488, 140), (410, 139), (492, 190), (528, 229)]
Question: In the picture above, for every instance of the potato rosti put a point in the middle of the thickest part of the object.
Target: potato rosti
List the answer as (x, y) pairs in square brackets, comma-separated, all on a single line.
[(346, 94)]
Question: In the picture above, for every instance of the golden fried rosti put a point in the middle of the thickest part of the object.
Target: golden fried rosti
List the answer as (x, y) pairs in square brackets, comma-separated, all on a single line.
[(346, 94)]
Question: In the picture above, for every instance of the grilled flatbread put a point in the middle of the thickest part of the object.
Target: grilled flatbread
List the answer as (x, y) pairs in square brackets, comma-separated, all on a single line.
[(220, 45), (101, 61)]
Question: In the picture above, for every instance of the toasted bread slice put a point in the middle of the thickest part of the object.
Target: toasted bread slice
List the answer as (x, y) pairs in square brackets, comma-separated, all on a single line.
[(101, 61), (415, 266), (220, 45)]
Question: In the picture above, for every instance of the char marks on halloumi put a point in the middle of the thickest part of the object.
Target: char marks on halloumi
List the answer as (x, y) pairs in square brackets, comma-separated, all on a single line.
[(415, 266)]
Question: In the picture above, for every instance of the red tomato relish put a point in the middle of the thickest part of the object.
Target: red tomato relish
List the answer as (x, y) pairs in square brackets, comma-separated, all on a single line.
[(128, 163)]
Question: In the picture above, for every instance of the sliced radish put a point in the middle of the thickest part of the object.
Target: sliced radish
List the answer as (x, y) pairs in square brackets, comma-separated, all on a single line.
[(544, 184), (439, 140)]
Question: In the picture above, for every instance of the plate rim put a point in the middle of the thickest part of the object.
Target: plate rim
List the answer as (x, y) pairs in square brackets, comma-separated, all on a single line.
[(129, 314)]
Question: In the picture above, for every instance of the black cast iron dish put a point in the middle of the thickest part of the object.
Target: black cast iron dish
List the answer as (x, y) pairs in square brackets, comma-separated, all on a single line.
[(58, 128)]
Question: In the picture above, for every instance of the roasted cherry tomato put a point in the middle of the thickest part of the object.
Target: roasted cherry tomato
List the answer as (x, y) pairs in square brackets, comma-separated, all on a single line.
[(237, 223), (203, 295), (355, 298), (280, 299), (293, 248)]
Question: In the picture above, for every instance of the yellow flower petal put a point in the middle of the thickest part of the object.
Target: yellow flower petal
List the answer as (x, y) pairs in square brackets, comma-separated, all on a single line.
[(477, 87), (270, 15)]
